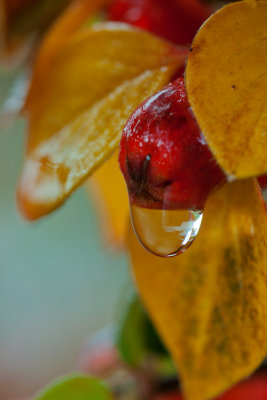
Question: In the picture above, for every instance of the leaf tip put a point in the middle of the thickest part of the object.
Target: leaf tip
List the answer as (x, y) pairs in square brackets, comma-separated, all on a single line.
[(40, 188)]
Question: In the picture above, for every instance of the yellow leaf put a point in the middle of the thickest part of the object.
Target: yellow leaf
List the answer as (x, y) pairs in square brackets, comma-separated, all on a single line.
[(226, 81), (252, 2), (78, 107), (210, 303), (110, 196)]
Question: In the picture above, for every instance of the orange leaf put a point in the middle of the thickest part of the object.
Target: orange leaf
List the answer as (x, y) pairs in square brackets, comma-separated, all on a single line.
[(110, 196), (226, 80), (210, 304), (77, 110)]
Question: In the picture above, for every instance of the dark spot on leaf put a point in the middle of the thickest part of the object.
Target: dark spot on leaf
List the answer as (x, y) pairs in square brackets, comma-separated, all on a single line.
[(232, 270), (254, 314), (222, 347)]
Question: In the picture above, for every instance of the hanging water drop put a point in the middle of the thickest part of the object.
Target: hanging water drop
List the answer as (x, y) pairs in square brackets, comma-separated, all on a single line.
[(165, 233)]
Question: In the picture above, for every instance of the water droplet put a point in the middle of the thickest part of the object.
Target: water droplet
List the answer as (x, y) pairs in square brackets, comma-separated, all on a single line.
[(166, 233)]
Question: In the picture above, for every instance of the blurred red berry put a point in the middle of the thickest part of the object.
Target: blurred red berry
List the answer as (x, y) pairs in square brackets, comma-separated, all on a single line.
[(174, 20), (255, 388), (263, 181)]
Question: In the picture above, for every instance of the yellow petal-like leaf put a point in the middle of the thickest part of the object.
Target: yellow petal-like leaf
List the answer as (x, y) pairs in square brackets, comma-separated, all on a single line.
[(210, 303), (226, 80), (113, 209), (78, 107)]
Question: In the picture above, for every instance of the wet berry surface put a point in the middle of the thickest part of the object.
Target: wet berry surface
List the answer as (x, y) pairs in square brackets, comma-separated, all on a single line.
[(163, 156)]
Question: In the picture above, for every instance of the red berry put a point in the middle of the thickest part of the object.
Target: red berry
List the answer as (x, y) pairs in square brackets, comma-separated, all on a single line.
[(164, 157), (174, 20), (254, 388), (263, 181)]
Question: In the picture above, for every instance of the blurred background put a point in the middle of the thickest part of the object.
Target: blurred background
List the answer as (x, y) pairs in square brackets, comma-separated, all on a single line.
[(58, 284)]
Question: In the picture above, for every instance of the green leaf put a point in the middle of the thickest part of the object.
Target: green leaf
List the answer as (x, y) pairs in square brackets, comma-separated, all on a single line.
[(137, 337), (75, 387)]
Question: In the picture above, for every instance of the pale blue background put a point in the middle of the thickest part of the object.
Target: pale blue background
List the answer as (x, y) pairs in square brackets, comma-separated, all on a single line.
[(57, 283)]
